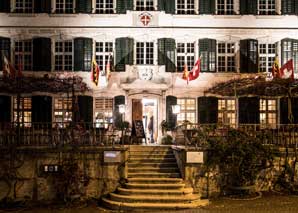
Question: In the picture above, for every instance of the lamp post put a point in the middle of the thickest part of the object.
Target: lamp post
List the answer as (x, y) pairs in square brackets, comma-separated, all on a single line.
[(122, 110)]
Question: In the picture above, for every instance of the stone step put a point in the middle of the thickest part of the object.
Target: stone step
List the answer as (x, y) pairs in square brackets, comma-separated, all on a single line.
[(155, 180), (154, 175), (155, 152), (151, 160), (144, 155), (152, 169), (154, 185), (149, 148), (123, 206), (151, 165), (183, 191)]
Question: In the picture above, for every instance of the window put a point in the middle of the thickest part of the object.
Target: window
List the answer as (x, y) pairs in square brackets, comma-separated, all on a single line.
[(63, 55), (266, 7), (24, 111), (145, 53), (268, 112), (104, 6), (290, 51), (226, 57), (64, 6), (103, 50), (185, 55), (225, 7), (187, 110), (185, 7), (23, 6), (23, 55), (227, 112), (145, 5), (103, 112), (266, 57), (62, 111)]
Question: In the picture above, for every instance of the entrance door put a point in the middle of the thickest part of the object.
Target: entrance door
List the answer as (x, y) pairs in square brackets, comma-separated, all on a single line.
[(137, 109)]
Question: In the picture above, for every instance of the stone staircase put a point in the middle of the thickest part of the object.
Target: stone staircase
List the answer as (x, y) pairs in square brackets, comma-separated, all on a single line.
[(154, 183)]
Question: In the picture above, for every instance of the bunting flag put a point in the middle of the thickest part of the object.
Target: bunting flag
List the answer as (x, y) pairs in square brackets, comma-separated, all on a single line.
[(275, 68), (8, 69), (185, 75), (94, 72), (287, 70), (108, 68)]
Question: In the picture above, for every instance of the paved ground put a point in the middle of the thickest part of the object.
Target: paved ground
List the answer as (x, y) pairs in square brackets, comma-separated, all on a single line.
[(268, 203)]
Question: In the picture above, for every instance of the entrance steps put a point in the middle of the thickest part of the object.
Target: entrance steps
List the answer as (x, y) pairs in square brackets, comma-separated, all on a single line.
[(153, 183)]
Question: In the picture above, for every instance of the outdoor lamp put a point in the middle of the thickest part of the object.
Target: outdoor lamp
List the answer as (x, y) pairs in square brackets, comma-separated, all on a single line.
[(176, 109), (121, 108)]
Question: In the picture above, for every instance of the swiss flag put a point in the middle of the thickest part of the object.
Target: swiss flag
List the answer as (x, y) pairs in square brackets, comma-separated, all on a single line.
[(287, 70), (195, 71)]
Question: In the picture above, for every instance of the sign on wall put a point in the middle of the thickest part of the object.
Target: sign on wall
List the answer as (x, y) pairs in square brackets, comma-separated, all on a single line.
[(195, 157)]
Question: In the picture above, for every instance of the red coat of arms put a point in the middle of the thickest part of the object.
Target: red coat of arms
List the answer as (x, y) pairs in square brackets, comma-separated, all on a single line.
[(145, 18)]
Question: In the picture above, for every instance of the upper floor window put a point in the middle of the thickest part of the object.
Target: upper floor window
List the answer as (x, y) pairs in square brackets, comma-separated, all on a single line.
[(103, 50), (266, 57), (104, 6), (187, 110), (227, 112), (23, 6), (22, 114), (145, 5), (23, 55), (266, 7), (268, 113), (64, 6), (289, 50), (185, 7), (145, 53), (225, 7), (185, 55), (226, 57), (63, 55)]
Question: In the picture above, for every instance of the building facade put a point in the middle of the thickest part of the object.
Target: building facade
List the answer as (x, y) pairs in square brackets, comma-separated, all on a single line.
[(147, 43)]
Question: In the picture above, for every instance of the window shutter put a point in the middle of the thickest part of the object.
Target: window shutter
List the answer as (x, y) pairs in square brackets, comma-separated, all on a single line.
[(124, 5), (207, 110), (170, 117), (248, 7), (41, 109), (289, 7), (85, 113), (249, 110), (295, 110), (43, 6), (4, 49), (207, 6), (249, 56), (82, 54), (166, 53), (168, 6), (207, 51), (83, 6), (41, 54), (5, 6), (5, 108), (124, 53), (118, 100), (283, 110)]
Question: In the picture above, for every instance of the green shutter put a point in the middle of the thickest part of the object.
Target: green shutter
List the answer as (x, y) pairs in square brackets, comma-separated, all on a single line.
[(83, 6), (289, 7), (42, 54), (248, 7), (5, 108), (249, 110), (207, 6), (4, 6), (118, 100), (207, 110), (41, 109), (4, 50), (295, 109), (167, 5), (82, 54), (85, 113), (249, 56), (124, 53), (295, 2), (43, 6), (166, 53), (283, 111), (124, 5), (207, 51), (171, 118)]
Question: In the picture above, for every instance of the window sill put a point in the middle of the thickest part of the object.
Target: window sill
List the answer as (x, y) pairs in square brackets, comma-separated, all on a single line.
[(63, 15), (186, 15), (236, 16), (269, 17), (97, 15), (22, 14)]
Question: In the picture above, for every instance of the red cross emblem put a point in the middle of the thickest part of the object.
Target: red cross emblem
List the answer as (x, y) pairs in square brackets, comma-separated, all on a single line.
[(145, 18)]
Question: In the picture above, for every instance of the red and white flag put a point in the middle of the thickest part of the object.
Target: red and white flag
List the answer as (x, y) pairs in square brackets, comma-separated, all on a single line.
[(287, 70), (8, 69), (195, 71)]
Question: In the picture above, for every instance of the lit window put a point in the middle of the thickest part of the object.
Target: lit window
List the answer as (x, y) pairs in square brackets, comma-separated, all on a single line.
[(62, 111), (266, 7), (24, 111), (268, 113), (185, 55), (145, 53), (23, 6), (64, 6), (225, 7), (103, 50), (145, 5), (103, 112), (104, 6), (227, 112), (226, 57), (266, 57), (63, 55), (23, 55), (186, 7), (187, 110)]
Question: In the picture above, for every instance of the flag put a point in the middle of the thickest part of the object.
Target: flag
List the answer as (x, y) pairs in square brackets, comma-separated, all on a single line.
[(108, 68), (8, 69), (275, 68), (94, 72), (20, 66), (185, 75), (287, 70), (195, 71)]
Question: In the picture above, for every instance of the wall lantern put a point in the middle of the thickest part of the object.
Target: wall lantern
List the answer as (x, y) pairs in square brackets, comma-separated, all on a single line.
[(176, 109), (122, 108)]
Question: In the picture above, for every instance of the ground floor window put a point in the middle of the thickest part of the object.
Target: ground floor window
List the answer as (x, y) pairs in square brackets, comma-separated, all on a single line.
[(187, 110), (227, 112), (103, 112), (24, 110), (268, 113), (62, 111)]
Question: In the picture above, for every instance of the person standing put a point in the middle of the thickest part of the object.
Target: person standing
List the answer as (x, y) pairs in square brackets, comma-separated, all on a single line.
[(150, 129)]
